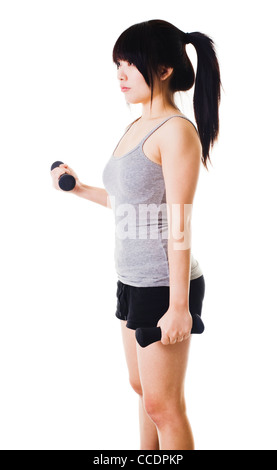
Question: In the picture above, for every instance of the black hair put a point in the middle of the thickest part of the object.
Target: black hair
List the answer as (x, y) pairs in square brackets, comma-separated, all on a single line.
[(151, 44)]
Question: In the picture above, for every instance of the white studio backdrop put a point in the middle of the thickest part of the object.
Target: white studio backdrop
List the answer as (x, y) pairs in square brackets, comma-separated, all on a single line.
[(64, 380)]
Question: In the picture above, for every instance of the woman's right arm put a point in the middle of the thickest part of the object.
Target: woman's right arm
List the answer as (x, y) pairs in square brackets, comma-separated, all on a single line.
[(98, 195)]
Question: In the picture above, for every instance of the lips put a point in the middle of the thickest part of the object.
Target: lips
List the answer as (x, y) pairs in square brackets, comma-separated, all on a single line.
[(124, 88)]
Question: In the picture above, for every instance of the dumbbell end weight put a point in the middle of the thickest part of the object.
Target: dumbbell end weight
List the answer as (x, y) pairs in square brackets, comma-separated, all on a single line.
[(146, 336), (66, 182), (55, 164)]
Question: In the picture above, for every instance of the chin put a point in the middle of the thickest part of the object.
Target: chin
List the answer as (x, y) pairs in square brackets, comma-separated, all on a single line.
[(132, 101), (135, 99)]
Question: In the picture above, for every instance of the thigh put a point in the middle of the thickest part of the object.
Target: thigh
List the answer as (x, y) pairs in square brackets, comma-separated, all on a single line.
[(162, 371), (129, 343)]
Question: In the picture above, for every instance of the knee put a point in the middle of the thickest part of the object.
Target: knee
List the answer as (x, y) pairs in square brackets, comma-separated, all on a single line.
[(163, 411), (155, 408), (136, 385)]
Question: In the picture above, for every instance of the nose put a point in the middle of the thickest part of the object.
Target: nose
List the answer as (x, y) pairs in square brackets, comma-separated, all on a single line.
[(121, 73), (122, 76)]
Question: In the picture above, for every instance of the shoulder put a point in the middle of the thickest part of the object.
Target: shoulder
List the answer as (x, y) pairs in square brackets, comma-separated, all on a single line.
[(179, 132), (180, 146)]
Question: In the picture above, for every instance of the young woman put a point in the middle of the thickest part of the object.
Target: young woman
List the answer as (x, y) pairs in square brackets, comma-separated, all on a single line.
[(155, 164)]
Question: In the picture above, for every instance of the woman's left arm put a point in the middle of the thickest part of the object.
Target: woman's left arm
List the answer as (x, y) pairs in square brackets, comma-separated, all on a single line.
[(181, 151)]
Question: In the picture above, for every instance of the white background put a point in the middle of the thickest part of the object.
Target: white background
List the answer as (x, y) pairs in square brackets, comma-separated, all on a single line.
[(64, 380)]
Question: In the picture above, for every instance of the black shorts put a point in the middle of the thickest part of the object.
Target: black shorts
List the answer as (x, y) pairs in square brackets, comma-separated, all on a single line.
[(143, 307)]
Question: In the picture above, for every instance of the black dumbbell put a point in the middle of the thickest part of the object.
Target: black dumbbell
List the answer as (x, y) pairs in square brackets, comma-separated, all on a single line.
[(66, 182), (146, 336)]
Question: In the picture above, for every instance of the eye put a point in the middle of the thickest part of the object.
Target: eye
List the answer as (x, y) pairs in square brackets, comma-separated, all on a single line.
[(118, 64)]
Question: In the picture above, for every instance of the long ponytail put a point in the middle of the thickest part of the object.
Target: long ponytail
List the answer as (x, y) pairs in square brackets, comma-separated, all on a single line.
[(207, 93)]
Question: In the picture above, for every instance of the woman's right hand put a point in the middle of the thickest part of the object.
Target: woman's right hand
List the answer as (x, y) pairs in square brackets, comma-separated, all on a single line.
[(60, 170)]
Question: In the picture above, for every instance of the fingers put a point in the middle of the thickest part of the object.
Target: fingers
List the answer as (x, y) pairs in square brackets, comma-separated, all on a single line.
[(57, 172), (60, 170), (66, 168), (166, 340)]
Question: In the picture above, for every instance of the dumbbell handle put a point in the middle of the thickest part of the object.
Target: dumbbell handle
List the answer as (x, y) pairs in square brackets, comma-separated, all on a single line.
[(146, 336), (66, 182)]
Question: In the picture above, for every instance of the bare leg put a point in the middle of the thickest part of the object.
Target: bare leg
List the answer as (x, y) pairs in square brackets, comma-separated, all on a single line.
[(175, 432), (148, 430), (162, 371)]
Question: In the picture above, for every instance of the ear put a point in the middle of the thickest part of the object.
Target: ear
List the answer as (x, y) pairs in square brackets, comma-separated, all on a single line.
[(165, 72)]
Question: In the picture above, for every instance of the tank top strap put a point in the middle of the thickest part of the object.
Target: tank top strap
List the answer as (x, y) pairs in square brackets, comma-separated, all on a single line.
[(130, 125), (161, 123)]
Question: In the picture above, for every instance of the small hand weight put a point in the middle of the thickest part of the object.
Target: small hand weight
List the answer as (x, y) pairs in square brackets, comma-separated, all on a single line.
[(66, 182)]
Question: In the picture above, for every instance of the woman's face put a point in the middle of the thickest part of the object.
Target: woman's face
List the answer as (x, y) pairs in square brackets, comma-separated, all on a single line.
[(130, 77)]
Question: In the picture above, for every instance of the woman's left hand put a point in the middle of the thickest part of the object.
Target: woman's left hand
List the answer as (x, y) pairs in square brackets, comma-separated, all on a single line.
[(176, 325)]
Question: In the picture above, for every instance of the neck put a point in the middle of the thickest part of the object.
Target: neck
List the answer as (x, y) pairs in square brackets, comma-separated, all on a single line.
[(159, 109)]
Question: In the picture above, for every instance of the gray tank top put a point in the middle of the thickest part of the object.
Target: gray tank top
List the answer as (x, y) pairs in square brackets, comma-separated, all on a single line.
[(136, 189)]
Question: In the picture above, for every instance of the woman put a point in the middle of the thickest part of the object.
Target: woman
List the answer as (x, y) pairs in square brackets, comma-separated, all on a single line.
[(155, 164)]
